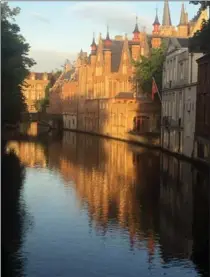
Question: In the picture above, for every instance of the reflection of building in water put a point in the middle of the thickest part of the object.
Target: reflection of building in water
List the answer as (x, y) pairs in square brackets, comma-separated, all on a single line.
[(176, 208), (30, 154), (29, 129), (104, 176)]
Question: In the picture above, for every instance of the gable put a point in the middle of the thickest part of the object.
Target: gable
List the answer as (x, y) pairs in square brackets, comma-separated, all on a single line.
[(198, 23), (172, 46)]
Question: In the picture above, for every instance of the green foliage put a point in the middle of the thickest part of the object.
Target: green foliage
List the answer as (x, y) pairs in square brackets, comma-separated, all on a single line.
[(204, 4), (148, 67), (200, 42), (14, 65), (42, 104)]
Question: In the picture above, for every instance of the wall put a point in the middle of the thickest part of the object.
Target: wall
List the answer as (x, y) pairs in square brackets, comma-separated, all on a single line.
[(189, 120), (34, 90)]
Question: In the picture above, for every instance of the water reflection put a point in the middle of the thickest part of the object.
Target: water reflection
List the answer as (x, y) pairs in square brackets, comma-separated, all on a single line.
[(14, 218), (149, 200)]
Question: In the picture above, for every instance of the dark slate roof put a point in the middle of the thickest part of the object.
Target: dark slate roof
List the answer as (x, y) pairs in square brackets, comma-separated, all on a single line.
[(184, 42), (166, 15), (124, 95), (136, 30), (156, 22), (93, 43), (116, 50)]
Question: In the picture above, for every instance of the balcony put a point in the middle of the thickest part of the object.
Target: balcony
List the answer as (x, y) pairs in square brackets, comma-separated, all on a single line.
[(169, 122)]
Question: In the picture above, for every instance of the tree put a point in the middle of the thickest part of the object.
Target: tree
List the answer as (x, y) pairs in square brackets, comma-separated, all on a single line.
[(15, 65), (42, 104), (148, 67), (200, 42)]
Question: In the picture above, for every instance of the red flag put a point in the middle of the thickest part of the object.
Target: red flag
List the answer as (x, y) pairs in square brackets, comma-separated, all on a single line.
[(154, 88)]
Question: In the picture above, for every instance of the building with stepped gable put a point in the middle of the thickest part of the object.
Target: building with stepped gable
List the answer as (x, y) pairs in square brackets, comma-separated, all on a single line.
[(97, 93)]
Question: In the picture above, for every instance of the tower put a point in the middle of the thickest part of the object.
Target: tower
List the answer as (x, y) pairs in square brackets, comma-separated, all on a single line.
[(107, 52), (166, 15), (93, 46), (108, 41), (156, 40), (136, 33), (183, 23), (93, 51), (167, 30), (136, 48)]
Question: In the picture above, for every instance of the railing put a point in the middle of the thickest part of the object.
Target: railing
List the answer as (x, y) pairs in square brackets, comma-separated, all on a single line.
[(168, 121)]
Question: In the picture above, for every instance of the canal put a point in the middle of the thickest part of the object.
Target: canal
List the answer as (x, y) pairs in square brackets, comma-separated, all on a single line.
[(80, 205)]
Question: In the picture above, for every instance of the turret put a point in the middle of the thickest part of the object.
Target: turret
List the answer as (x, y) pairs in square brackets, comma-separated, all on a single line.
[(107, 52), (156, 24), (156, 40), (108, 41), (93, 46), (136, 33)]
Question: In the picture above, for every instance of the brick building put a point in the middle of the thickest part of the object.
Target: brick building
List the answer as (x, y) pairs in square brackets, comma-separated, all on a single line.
[(105, 79)]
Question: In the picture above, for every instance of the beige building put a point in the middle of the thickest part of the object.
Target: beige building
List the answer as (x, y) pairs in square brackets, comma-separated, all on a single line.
[(34, 89)]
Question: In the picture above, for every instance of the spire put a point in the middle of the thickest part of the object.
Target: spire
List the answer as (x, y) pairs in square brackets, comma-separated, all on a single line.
[(108, 40), (136, 29), (93, 42), (156, 22), (93, 45), (107, 33), (166, 14), (182, 16)]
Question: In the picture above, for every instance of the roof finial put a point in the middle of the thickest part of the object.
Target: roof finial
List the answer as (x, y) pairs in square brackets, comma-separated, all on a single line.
[(156, 22), (136, 29)]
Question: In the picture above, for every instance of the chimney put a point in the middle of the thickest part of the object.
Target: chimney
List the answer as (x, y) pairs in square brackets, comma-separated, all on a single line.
[(118, 37)]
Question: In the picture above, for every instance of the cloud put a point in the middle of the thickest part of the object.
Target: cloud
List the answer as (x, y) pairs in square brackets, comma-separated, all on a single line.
[(120, 16), (49, 60), (40, 17)]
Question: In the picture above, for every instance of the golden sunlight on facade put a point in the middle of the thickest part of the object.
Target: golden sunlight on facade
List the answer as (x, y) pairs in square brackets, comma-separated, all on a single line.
[(97, 93), (34, 89)]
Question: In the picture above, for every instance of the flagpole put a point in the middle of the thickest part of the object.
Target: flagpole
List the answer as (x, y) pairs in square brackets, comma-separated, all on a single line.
[(157, 90), (159, 95)]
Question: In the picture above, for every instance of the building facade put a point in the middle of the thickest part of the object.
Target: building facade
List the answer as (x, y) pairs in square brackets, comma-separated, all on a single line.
[(202, 130), (34, 89), (97, 92), (179, 98)]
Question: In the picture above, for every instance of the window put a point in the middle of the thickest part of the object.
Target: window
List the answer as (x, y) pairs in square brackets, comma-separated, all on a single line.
[(181, 71), (124, 69)]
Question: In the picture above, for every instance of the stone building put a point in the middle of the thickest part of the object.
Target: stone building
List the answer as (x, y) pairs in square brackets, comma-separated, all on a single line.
[(179, 97), (100, 86), (202, 130), (185, 29), (34, 89)]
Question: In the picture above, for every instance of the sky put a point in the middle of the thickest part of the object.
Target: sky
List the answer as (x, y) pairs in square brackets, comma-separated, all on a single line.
[(58, 30)]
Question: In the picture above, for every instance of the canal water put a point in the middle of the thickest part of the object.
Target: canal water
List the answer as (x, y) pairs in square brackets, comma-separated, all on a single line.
[(80, 205)]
